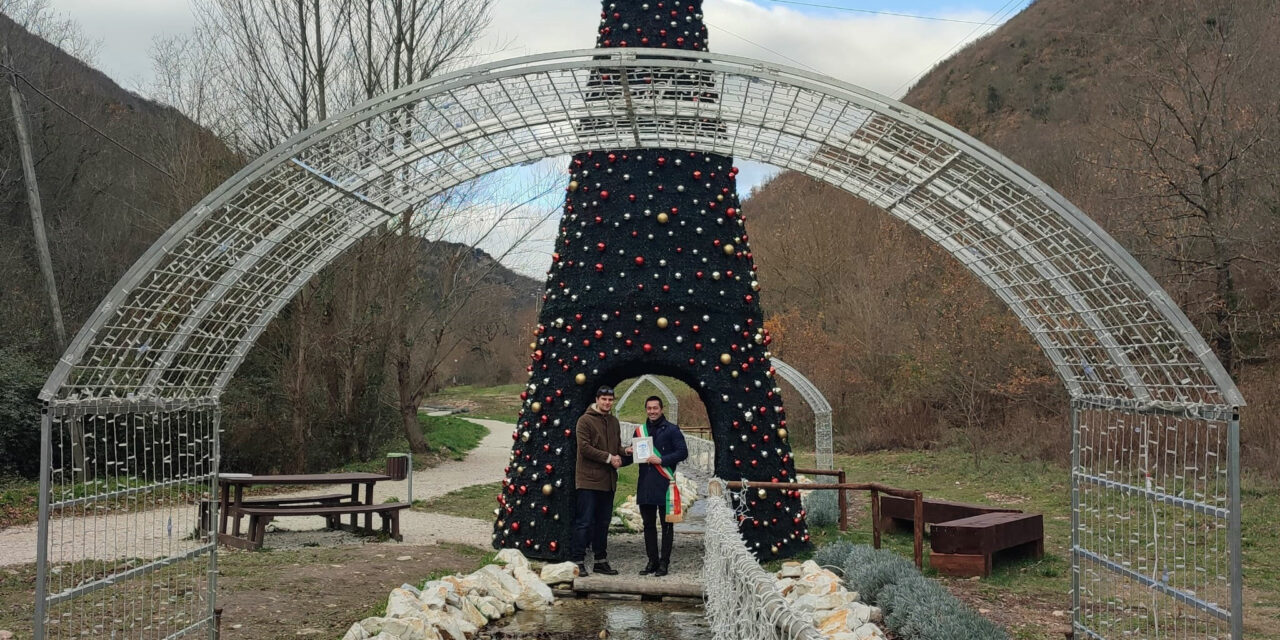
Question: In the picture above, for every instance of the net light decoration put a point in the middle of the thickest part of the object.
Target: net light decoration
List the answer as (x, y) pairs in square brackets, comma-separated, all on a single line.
[(652, 274)]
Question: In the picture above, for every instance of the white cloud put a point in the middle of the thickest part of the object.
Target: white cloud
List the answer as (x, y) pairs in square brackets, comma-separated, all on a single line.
[(880, 53)]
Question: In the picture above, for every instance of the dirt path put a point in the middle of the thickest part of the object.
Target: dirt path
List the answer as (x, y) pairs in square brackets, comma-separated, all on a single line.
[(161, 532)]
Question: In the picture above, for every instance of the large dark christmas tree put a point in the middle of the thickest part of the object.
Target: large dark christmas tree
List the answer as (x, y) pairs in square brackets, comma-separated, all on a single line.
[(652, 273)]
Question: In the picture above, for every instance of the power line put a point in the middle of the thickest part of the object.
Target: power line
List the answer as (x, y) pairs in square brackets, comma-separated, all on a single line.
[(121, 145), (757, 44), (996, 19)]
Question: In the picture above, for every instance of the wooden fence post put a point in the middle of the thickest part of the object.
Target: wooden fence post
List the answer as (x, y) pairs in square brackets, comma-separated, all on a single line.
[(919, 522)]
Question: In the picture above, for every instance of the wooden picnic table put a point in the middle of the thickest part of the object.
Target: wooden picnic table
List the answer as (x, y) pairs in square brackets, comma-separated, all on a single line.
[(232, 489)]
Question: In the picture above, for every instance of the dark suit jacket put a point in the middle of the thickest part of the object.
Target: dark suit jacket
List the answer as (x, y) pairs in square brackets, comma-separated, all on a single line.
[(667, 438)]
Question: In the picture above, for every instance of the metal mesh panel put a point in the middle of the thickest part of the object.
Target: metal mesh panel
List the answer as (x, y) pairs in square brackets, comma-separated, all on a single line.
[(185, 316), (121, 550), (742, 599), (672, 406), (822, 442), (1152, 505)]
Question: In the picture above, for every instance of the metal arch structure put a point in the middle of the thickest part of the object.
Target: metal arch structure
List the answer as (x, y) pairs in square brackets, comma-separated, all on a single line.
[(132, 407), (824, 454), (672, 408)]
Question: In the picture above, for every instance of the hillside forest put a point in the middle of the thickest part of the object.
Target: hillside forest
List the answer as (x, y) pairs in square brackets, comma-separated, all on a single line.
[(1158, 119)]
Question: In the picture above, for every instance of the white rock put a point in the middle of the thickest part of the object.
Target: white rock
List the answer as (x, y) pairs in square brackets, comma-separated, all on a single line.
[(356, 632), (492, 574), (445, 624), (834, 600), (558, 573), (512, 558), (806, 602), (867, 631), (401, 603), (486, 606), (435, 594), (877, 615), (789, 570), (809, 567), (472, 613), (629, 511), (464, 623), (413, 628), (531, 582)]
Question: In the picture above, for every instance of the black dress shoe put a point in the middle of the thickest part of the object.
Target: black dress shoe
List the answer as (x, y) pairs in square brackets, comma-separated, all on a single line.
[(582, 570), (649, 568), (603, 568), (662, 570)]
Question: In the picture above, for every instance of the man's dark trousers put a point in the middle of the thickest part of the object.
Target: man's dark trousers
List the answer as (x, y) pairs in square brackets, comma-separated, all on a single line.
[(591, 525), (652, 514)]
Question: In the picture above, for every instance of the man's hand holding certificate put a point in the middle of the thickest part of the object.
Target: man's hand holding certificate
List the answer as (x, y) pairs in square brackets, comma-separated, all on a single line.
[(642, 448)]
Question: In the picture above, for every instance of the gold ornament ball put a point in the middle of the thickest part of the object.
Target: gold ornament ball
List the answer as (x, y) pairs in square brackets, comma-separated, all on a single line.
[(761, 493), (663, 218), (774, 549), (728, 249), (733, 374), (581, 378), (725, 358), (573, 185), (662, 323), (546, 489), (782, 433), (535, 407), (533, 345)]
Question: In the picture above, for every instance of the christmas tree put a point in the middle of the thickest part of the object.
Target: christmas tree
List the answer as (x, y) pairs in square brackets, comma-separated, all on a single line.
[(652, 273)]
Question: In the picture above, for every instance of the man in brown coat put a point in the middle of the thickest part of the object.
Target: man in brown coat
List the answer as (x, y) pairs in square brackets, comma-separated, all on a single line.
[(600, 454)]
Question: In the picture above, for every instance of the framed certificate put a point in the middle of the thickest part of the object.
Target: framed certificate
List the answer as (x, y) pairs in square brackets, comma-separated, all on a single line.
[(641, 449)]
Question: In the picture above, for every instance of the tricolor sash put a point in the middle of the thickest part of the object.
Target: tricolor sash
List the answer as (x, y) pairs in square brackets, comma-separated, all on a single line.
[(674, 512)]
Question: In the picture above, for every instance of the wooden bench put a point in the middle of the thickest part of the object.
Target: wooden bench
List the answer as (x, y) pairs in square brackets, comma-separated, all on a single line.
[(965, 547), (328, 499), (898, 513), (261, 516)]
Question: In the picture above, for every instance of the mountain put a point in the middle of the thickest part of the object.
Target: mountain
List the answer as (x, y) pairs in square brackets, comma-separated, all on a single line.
[(104, 206), (1158, 119)]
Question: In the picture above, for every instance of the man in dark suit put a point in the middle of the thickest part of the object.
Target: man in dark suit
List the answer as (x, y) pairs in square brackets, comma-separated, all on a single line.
[(656, 490)]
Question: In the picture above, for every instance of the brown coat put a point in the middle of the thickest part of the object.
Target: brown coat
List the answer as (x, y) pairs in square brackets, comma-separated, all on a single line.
[(599, 437)]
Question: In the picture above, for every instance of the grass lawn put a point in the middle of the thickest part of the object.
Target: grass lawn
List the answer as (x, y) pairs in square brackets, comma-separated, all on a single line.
[(1042, 585), (495, 403)]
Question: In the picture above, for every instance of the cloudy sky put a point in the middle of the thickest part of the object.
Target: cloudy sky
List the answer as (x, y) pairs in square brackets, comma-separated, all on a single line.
[(882, 45)]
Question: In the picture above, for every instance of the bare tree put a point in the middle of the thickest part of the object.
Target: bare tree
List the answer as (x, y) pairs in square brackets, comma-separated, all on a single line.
[(1200, 141)]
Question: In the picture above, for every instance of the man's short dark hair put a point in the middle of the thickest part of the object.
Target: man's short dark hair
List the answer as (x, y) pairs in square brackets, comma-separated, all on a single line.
[(647, 400), (604, 390)]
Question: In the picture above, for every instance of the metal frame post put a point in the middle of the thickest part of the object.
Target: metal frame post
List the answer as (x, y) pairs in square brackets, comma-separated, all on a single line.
[(1234, 528), (42, 538), (215, 613), (1075, 516)]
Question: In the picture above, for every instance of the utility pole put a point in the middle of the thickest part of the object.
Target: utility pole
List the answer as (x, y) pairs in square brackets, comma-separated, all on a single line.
[(33, 198)]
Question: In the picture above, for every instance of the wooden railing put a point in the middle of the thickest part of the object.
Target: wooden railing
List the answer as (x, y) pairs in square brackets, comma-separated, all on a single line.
[(875, 488)]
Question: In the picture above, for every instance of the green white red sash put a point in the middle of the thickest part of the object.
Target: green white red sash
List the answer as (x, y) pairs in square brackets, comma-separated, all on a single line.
[(674, 514)]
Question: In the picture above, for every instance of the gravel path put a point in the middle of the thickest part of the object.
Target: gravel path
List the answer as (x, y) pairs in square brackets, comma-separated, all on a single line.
[(483, 465), (161, 532)]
